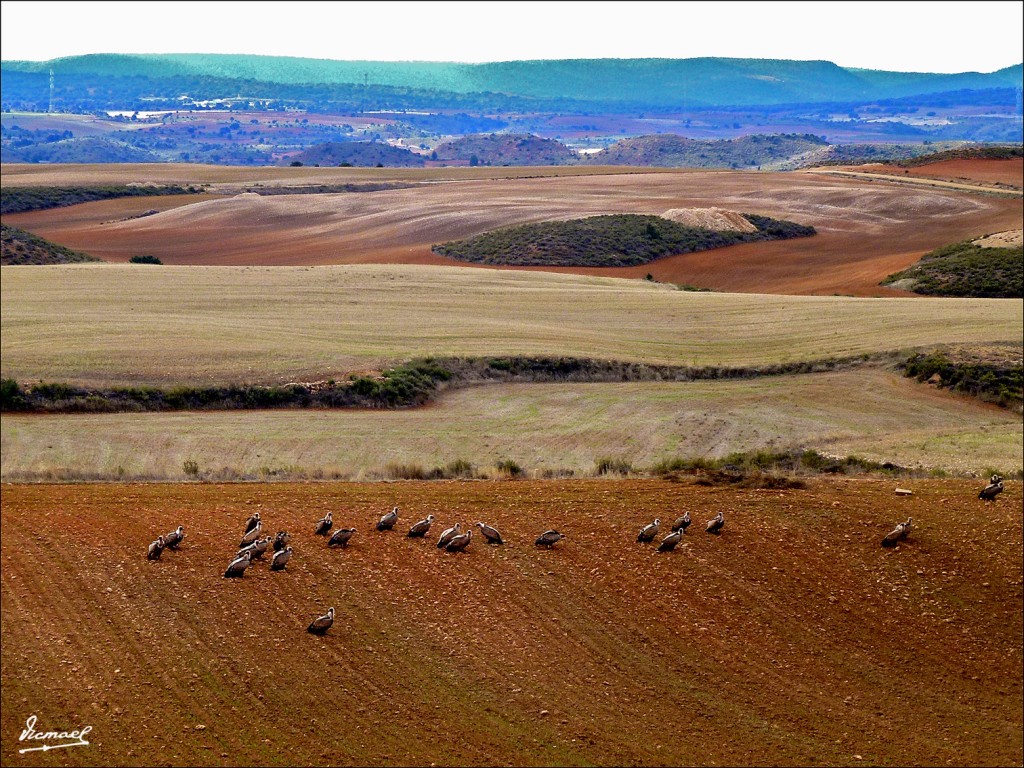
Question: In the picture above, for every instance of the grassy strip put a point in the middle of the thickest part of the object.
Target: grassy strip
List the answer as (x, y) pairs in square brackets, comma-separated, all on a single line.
[(968, 270), (407, 385), (22, 199), (19, 247), (416, 382), (1002, 384), (619, 240)]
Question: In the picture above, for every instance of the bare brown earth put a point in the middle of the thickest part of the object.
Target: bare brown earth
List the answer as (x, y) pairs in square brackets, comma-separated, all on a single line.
[(867, 228), (791, 639), (1004, 172)]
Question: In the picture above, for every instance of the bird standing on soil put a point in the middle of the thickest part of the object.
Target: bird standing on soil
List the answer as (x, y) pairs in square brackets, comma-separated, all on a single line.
[(280, 559), (340, 537), (251, 522), (321, 624), (156, 549), (252, 535), (281, 540), (236, 568), (649, 531), (549, 539), (448, 534), (387, 522), (173, 539), (681, 523), (257, 549), (669, 542), (993, 489), (490, 533), (459, 543), (898, 534), (715, 524), (419, 530), (323, 525)]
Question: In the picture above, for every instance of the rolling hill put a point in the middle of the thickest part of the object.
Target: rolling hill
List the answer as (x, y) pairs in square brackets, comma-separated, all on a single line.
[(652, 82), (358, 154)]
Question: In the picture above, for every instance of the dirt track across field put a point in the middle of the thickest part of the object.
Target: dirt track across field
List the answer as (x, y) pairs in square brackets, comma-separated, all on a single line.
[(867, 228), (793, 638)]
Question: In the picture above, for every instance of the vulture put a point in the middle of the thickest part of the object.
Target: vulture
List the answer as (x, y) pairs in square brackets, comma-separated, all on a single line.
[(252, 535), (993, 489), (324, 525), (257, 549), (321, 624), (340, 537), (490, 533), (236, 568), (419, 530), (649, 531), (156, 549), (387, 522), (281, 540), (448, 534), (173, 539), (251, 522), (280, 559), (895, 536), (715, 524), (681, 523), (459, 543), (669, 542), (549, 539)]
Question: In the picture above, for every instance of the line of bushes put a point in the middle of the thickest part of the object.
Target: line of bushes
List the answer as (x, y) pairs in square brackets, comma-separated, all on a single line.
[(991, 382), (404, 386), (618, 240), (416, 382), (23, 199)]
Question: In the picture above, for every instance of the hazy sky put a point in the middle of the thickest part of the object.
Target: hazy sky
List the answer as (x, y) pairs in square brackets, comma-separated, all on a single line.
[(933, 36)]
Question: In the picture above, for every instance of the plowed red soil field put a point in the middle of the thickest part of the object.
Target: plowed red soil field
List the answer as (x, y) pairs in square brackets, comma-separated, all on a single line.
[(867, 228), (793, 638), (1009, 172)]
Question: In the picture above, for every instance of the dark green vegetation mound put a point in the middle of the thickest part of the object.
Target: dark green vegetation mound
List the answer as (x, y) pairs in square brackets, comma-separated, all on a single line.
[(506, 149), (20, 247), (620, 240), (995, 152), (987, 378), (22, 199), (673, 151), (966, 269), (362, 154)]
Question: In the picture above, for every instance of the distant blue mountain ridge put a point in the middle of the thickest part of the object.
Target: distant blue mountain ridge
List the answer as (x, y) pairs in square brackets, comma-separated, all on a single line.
[(693, 82)]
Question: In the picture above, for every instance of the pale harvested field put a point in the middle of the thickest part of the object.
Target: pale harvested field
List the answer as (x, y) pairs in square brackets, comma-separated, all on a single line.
[(545, 428), (74, 174), (867, 229), (106, 324)]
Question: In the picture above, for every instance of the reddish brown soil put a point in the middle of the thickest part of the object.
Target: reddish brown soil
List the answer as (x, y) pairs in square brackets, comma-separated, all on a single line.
[(792, 639), (1007, 172), (867, 229)]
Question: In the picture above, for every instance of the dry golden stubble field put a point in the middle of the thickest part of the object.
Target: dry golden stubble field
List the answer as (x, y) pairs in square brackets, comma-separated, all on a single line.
[(547, 429), (867, 229), (107, 324), (792, 639)]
